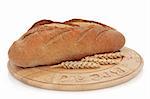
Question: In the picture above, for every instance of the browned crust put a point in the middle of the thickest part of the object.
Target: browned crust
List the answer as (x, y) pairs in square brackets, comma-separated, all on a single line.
[(48, 42), (82, 20), (69, 22), (44, 21), (41, 22)]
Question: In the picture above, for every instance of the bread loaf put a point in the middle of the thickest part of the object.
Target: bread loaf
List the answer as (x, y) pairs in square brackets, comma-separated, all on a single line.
[(48, 42)]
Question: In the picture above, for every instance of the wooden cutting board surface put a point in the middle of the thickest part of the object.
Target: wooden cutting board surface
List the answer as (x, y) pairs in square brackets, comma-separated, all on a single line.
[(81, 79)]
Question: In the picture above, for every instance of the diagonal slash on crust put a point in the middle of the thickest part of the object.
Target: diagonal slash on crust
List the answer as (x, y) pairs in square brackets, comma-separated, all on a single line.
[(100, 33), (84, 33), (55, 37), (31, 33)]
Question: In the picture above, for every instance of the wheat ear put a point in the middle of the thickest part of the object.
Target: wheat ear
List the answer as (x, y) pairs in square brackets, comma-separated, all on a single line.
[(79, 65), (114, 55), (95, 61), (100, 61)]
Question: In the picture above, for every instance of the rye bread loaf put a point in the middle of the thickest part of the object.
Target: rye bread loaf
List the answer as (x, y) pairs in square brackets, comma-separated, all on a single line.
[(48, 42)]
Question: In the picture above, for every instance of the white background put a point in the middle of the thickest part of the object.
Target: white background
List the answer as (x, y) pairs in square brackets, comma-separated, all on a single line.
[(131, 17)]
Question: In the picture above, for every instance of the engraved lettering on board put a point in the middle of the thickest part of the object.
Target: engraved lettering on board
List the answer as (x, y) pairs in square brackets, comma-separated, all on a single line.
[(114, 72)]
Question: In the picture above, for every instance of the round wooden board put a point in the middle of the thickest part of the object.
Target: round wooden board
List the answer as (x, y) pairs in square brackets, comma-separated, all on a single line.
[(81, 79)]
